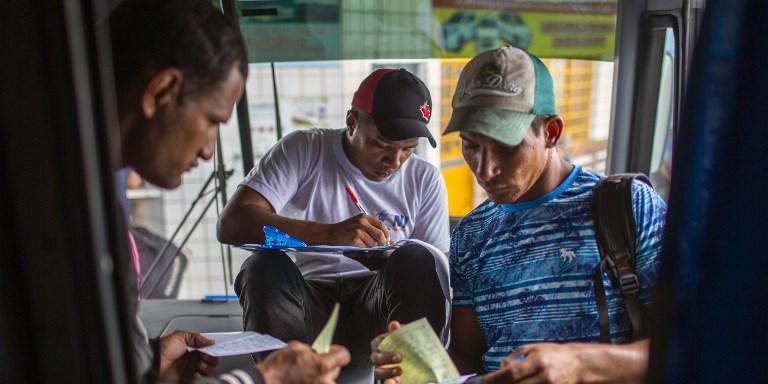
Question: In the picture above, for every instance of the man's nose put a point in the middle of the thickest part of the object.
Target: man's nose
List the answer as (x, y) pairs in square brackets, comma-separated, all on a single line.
[(393, 159), (488, 167), (208, 151)]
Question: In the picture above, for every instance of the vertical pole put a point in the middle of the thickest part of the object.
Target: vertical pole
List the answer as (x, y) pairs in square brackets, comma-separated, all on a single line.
[(278, 125), (243, 120), (244, 126)]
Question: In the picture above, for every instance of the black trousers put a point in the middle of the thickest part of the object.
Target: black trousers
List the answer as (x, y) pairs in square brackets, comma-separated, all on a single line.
[(278, 300)]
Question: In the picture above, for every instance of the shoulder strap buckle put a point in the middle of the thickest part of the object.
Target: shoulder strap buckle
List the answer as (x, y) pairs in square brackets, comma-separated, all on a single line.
[(620, 270), (629, 283)]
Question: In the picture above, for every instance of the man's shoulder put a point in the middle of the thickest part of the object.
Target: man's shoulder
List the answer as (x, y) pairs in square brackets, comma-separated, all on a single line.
[(476, 220), (640, 188), (642, 192), (648, 204), (310, 135), (588, 177), (420, 167), (304, 145), (471, 233)]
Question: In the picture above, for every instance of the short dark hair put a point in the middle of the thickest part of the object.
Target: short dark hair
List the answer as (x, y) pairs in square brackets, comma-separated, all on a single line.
[(538, 123), (362, 116), (191, 35)]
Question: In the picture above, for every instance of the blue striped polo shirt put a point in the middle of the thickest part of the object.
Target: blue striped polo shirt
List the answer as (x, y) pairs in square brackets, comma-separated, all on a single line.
[(527, 268)]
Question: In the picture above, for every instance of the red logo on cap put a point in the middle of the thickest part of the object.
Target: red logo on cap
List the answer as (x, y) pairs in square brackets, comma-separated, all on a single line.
[(425, 112)]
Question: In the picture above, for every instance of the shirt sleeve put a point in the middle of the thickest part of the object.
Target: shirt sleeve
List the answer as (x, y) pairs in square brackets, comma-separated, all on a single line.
[(277, 175), (462, 295), (248, 375), (432, 224), (650, 214)]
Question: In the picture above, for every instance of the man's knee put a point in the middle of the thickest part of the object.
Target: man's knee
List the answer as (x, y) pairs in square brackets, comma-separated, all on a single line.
[(415, 287), (412, 267), (265, 270), (411, 259)]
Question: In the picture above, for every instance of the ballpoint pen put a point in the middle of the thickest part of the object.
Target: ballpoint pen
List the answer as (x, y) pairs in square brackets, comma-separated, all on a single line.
[(355, 201), (479, 378), (360, 208)]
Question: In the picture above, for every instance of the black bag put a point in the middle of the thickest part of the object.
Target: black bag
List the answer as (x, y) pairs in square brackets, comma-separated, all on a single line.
[(612, 211)]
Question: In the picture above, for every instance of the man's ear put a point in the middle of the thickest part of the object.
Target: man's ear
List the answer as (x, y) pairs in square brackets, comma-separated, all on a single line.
[(163, 88), (352, 118), (553, 129)]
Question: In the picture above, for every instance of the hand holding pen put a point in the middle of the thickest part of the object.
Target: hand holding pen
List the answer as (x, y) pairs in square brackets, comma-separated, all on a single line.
[(368, 230), (489, 378)]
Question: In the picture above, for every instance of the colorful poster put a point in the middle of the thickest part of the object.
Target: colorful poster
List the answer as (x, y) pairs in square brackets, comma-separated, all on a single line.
[(579, 30)]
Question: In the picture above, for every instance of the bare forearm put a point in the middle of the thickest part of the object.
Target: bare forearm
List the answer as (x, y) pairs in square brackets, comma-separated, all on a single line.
[(611, 363), (244, 224)]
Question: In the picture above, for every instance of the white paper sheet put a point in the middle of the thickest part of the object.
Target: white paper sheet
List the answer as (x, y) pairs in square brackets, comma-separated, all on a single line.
[(323, 341), (239, 343), (460, 380), (424, 358)]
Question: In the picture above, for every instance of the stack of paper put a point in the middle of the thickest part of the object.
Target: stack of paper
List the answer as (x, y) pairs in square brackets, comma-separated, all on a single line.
[(242, 343), (239, 343), (424, 358)]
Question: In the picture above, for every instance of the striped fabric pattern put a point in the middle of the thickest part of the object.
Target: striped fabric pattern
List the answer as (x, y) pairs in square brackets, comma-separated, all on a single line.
[(527, 267)]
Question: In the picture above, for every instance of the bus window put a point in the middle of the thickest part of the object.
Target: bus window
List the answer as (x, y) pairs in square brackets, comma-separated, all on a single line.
[(663, 135), (321, 50)]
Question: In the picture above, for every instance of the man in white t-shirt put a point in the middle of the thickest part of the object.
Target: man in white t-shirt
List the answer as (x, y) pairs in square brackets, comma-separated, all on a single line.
[(299, 187)]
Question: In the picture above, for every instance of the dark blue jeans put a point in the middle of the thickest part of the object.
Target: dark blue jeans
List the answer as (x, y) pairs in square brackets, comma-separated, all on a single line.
[(278, 300)]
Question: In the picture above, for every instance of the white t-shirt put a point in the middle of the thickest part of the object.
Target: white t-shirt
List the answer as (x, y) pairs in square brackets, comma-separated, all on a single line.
[(304, 175)]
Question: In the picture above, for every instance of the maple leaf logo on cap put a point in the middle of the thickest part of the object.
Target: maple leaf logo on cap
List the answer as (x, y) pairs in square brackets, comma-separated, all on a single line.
[(425, 112)]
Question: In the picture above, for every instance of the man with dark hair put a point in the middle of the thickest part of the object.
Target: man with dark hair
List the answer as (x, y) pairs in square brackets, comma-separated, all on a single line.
[(300, 187), (180, 67), (524, 262)]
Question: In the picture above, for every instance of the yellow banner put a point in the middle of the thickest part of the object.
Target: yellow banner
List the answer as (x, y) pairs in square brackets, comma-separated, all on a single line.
[(465, 32)]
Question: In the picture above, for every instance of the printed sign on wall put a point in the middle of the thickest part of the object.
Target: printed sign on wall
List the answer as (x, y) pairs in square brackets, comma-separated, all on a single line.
[(572, 30)]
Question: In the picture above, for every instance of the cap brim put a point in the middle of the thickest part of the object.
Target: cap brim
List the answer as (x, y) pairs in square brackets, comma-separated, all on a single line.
[(397, 129), (502, 125)]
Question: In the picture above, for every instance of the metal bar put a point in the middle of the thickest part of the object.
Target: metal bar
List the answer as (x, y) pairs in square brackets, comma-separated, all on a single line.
[(627, 35), (244, 126), (222, 178), (278, 125), (243, 118)]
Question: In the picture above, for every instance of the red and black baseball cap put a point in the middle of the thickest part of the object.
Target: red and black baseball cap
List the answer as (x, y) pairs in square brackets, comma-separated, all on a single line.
[(399, 103)]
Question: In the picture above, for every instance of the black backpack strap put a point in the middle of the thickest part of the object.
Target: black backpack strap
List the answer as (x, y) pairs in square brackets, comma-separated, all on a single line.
[(612, 211)]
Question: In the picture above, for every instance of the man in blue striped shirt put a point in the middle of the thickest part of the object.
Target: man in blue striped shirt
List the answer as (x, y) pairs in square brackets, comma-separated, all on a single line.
[(522, 263)]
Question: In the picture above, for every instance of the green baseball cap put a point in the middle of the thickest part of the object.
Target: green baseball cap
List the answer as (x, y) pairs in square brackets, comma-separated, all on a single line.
[(499, 93)]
